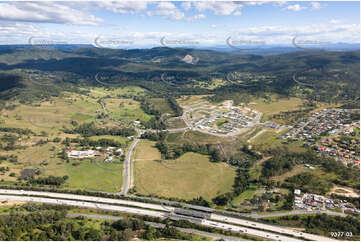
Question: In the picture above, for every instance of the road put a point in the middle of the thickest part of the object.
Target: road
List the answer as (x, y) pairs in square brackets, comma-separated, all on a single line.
[(138, 211), (213, 236), (212, 220), (296, 212), (269, 227), (89, 199), (127, 173), (117, 208), (245, 230)]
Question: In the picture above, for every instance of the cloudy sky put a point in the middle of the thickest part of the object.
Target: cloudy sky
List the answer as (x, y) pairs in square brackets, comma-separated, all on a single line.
[(138, 23)]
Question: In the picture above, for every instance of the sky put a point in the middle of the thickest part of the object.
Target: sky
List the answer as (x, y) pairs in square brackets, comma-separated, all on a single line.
[(125, 24)]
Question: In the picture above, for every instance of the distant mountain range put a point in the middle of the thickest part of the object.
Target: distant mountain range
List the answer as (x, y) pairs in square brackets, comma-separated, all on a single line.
[(246, 49)]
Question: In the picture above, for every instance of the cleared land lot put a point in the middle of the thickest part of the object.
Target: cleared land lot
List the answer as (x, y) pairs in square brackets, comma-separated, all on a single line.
[(89, 175), (275, 106), (270, 139), (190, 176)]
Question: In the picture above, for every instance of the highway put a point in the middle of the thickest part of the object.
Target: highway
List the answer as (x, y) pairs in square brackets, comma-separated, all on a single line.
[(213, 236), (137, 211), (296, 212), (209, 219), (239, 229), (85, 204), (88, 198), (269, 227)]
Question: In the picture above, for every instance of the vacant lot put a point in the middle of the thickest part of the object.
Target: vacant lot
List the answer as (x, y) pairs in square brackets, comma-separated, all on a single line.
[(269, 139), (125, 109), (162, 105), (100, 176), (173, 123), (190, 176), (276, 105)]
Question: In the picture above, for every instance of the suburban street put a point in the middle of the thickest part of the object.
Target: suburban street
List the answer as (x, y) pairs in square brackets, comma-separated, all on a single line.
[(209, 219)]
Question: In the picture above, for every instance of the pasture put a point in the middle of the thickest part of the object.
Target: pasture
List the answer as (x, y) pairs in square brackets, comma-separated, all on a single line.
[(190, 176)]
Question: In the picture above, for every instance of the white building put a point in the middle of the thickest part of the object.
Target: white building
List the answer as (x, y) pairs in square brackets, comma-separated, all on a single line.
[(81, 154), (297, 192)]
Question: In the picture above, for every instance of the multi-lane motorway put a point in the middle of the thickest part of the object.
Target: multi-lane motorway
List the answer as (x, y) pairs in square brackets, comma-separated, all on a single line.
[(155, 210)]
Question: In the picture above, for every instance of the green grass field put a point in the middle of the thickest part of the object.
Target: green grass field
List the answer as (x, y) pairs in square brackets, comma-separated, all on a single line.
[(190, 176), (269, 139), (90, 176), (50, 117), (161, 105), (275, 106)]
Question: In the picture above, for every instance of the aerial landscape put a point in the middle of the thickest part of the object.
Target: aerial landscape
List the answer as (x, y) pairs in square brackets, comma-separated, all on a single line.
[(180, 120)]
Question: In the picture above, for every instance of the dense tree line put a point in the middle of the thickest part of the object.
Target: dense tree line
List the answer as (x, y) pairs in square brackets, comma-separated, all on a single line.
[(155, 123), (54, 225), (154, 136), (175, 151), (178, 110), (90, 129), (50, 180), (277, 166), (88, 142), (308, 182), (19, 131), (8, 142), (241, 184), (146, 106)]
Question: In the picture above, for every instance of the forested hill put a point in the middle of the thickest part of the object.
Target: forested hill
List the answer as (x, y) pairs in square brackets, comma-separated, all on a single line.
[(24, 70)]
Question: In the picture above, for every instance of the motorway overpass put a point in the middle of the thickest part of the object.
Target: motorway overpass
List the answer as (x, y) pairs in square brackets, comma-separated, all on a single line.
[(161, 211)]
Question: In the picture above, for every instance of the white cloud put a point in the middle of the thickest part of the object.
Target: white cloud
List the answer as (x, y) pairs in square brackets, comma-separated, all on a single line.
[(166, 5), (322, 32), (279, 3), (219, 8), (335, 21), (167, 9), (196, 17), (295, 7), (237, 13), (186, 5), (45, 12), (123, 7), (315, 5)]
